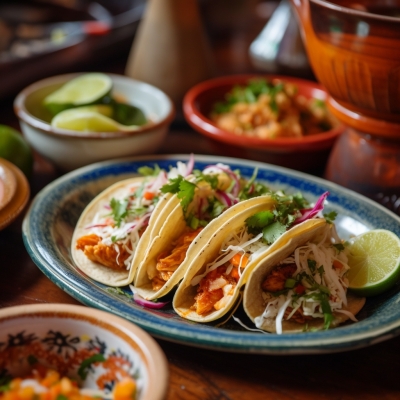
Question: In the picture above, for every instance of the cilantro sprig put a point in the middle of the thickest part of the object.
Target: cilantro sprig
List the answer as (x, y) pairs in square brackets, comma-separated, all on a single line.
[(182, 188), (253, 188), (119, 210), (275, 223), (330, 217)]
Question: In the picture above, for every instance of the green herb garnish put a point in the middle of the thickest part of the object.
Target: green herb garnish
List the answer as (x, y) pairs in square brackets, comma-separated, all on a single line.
[(186, 193), (330, 217), (339, 247), (272, 232), (119, 210), (83, 369)]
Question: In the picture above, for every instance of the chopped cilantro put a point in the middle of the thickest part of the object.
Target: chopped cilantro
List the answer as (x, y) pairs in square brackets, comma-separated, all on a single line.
[(275, 222), (330, 217), (312, 265), (274, 106), (216, 208), (338, 246), (249, 94), (119, 210), (85, 364), (290, 283), (172, 186), (182, 188), (321, 271), (186, 193), (273, 232), (5, 380), (253, 188), (326, 309), (260, 220)]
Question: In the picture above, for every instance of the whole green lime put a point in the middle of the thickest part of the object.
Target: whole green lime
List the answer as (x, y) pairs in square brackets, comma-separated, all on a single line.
[(14, 148)]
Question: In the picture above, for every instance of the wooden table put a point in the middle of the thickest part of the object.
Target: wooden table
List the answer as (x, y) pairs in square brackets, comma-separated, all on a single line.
[(370, 373)]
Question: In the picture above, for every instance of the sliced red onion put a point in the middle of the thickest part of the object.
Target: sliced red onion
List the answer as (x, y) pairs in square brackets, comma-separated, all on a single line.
[(190, 165), (200, 208), (312, 212), (160, 181), (224, 198), (96, 226), (148, 304)]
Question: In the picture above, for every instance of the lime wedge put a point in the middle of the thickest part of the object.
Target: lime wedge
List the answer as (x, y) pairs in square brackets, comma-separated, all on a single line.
[(89, 119), (84, 90), (374, 262)]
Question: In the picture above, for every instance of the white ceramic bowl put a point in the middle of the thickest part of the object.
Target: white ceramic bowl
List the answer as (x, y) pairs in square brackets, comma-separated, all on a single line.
[(65, 337), (69, 150)]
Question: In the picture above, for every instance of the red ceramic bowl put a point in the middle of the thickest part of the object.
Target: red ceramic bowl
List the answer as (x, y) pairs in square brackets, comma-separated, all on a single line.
[(308, 153)]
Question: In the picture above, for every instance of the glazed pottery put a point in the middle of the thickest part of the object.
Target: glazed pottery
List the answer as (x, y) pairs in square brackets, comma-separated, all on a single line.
[(49, 225), (93, 347), (68, 149), (355, 52), (307, 153)]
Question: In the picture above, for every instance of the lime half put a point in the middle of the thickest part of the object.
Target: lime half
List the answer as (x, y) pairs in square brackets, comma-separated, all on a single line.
[(374, 262), (89, 119), (84, 90)]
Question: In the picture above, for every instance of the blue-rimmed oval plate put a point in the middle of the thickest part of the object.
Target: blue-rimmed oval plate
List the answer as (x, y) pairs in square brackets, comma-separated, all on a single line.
[(50, 221)]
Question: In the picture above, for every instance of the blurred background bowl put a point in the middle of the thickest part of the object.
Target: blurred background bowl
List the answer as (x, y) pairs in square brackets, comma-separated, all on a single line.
[(65, 337), (68, 149), (308, 153)]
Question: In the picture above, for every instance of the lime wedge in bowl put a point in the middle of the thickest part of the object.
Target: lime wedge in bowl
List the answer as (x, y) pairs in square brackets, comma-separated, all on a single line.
[(94, 118), (83, 90), (374, 261)]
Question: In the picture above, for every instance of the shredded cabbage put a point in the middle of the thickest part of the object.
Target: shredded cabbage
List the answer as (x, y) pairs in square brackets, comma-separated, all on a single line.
[(323, 278)]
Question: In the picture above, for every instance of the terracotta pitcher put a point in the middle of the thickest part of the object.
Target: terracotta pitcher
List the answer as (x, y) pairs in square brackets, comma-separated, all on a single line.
[(354, 50)]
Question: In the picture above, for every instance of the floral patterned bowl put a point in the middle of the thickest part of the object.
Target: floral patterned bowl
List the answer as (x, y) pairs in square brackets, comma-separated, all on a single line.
[(91, 346)]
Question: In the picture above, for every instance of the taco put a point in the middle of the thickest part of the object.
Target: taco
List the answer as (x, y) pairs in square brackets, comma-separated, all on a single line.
[(211, 285), (302, 286), (115, 229), (205, 201)]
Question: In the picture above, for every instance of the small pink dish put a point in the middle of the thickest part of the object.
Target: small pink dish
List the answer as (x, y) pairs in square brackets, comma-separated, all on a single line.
[(93, 347), (305, 153)]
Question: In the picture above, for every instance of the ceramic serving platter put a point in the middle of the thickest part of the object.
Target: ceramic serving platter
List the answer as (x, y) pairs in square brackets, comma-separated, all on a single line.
[(49, 224)]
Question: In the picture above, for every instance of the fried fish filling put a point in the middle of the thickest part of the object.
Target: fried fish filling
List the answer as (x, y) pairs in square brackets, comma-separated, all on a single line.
[(275, 282), (217, 284), (169, 261), (276, 279), (100, 253)]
